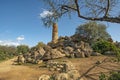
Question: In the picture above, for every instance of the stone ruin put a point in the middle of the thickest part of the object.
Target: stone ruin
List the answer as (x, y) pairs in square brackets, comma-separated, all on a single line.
[(65, 68), (72, 48), (60, 66), (65, 47)]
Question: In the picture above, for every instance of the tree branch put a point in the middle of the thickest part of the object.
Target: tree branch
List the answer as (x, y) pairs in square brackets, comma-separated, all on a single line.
[(107, 8), (105, 18), (67, 7), (77, 6)]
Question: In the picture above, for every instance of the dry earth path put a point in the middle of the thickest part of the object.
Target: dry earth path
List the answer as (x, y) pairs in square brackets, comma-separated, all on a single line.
[(10, 71), (87, 67)]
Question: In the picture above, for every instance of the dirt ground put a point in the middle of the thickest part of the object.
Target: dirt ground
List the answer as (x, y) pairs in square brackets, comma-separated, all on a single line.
[(87, 67)]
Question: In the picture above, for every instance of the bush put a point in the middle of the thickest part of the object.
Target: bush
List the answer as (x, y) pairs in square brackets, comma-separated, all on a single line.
[(102, 46), (102, 77), (40, 44), (22, 49), (7, 52), (112, 76)]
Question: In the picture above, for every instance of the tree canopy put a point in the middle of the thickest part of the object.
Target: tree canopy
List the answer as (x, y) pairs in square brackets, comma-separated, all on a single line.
[(22, 49), (7, 52), (99, 10), (92, 31)]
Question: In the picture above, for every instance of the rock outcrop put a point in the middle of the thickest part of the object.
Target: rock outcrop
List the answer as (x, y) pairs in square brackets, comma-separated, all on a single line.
[(21, 59), (52, 54), (71, 48), (64, 47)]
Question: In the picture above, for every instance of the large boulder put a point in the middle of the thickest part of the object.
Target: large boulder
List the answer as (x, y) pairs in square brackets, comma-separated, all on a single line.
[(73, 74), (21, 59), (62, 76), (109, 53), (79, 54), (33, 56), (69, 49), (38, 53), (52, 54), (41, 51), (96, 54), (44, 77), (82, 50)]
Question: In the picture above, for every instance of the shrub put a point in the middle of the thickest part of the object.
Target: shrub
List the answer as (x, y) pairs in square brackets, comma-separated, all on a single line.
[(7, 52), (102, 46), (102, 77), (112, 76), (22, 49)]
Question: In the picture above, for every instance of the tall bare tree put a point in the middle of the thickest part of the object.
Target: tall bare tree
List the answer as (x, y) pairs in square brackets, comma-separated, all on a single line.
[(51, 19), (99, 10)]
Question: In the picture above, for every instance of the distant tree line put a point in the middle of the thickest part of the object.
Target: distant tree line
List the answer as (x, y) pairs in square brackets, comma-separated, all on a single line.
[(7, 52)]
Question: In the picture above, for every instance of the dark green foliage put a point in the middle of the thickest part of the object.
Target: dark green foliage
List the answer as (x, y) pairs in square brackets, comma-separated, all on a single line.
[(112, 76), (22, 49), (102, 46), (7, 52), (92, 31), (102, 77)]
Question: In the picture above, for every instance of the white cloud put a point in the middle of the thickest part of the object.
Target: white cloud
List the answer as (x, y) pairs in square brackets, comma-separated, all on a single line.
[(9, 43), (45, 13), (20, 38), (16, 42), (0, 41)]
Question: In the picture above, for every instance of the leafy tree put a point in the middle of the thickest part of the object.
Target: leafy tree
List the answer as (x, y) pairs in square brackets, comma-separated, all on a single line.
[(40, 44), (22, 49), (7, 52), (99, 10), (92, 31)]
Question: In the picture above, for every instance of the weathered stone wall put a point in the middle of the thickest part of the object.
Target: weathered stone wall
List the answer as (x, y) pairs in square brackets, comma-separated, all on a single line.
[(61, 66), (66, 70)]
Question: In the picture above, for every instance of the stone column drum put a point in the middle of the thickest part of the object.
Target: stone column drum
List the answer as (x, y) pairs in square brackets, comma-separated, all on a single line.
[(55, 33)]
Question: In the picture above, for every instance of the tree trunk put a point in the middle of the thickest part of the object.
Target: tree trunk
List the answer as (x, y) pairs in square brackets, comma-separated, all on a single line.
[(55, 33)]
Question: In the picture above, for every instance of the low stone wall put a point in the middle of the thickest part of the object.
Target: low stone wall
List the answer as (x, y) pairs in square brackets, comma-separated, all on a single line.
[(61, 66), (66, 70)]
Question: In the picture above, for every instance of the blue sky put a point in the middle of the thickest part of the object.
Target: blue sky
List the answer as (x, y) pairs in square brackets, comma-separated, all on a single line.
[(20, 23)]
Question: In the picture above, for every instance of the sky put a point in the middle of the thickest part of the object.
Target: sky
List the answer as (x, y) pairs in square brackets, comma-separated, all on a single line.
[(20, 23)]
